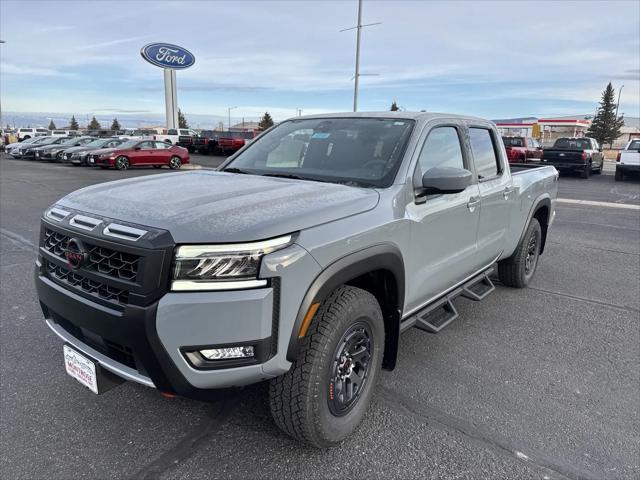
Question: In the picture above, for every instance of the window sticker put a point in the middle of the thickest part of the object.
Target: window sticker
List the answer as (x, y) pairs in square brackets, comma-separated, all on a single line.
[(321, 135)]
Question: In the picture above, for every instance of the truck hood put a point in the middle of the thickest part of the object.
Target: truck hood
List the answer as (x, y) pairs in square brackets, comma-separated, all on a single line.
[(215, 207)]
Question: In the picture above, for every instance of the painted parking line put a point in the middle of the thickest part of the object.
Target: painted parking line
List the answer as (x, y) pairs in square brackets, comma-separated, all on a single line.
[(598, 204)]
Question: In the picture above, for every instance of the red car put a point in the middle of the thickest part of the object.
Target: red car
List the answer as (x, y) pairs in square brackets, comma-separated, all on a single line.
[(134, 153), (522, 149)]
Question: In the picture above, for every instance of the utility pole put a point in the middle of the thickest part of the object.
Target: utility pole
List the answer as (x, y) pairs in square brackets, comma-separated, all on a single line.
[(357, 74), (618, 104), (229, 113)]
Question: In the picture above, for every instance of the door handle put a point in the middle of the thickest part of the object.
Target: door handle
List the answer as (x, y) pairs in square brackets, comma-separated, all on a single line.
[(473, 203), (506, 193)]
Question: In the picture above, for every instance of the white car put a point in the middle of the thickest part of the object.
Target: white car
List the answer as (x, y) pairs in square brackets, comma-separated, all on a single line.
[(628, 160), (24, 133)]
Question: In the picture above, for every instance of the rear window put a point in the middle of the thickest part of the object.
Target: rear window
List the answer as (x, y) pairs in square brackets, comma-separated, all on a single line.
[(635, 145), (513, 141), (573, 144)]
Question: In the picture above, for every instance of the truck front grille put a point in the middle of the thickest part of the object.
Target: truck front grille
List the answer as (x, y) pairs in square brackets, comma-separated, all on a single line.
[(99, 289), (101, 259)]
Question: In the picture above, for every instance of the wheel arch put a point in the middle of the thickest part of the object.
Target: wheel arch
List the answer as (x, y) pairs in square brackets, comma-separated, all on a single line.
[(541, 211), (379, 270)]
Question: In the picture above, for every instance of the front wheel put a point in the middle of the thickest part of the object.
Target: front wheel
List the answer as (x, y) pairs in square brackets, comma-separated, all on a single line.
[(122, 163), (175, 162), (324, 396), (518, 270)]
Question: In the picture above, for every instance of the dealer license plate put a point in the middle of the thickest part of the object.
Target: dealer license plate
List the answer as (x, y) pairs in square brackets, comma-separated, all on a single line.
[(81, 368)]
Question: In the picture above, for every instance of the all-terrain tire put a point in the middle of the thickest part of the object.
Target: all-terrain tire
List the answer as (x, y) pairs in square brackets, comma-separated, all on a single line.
[(303, 401), (518, 270)]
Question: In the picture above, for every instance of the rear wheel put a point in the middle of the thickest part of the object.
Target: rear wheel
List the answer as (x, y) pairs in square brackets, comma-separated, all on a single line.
[(586, 172), (518, 270), (619, 176), (323, 397), (175, 162), (122, 163)]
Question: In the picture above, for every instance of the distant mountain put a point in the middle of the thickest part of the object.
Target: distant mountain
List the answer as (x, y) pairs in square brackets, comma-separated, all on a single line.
[(127, 120)]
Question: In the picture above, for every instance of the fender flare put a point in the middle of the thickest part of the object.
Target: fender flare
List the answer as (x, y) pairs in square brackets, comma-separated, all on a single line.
[(544, 200), (384, 256)]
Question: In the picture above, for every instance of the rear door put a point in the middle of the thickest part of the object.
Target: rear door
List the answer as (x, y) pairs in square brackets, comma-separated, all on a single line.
[(162, 153), (443, 227), (495, 186)]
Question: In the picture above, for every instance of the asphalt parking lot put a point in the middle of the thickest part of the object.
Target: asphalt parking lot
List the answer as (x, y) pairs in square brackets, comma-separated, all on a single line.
[(535, 383)]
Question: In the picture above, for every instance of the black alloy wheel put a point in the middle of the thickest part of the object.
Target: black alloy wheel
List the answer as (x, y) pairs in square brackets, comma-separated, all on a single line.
[(350, 369)]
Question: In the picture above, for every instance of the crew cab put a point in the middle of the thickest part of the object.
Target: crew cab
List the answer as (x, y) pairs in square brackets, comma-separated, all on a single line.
[(522, 149), (136, 153), (172, 135), (28, 132), (628, 160), (298, 263), (581, 154)]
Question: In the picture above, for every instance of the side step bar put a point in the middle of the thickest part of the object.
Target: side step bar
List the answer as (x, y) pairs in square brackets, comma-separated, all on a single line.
[(440, 313)]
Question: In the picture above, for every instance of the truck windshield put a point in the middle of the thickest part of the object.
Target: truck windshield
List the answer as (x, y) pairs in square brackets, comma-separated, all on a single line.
[(360, 151)]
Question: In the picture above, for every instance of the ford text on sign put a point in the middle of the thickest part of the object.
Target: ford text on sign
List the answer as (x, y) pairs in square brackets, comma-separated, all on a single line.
[(166, 55)]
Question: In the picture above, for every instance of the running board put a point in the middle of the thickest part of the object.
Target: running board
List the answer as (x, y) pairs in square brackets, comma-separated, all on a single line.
[(440, 313), (437, 316), (480, 290)]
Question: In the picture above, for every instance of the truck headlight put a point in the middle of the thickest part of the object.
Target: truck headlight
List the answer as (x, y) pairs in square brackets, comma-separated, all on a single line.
[(222, 267)]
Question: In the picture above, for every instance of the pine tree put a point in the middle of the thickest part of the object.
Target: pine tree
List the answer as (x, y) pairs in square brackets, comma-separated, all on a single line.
[(73, 124), (266, 121), (394, 107), (182, 120), (94, 124), (115, 125), (605, 127), (52, 126)]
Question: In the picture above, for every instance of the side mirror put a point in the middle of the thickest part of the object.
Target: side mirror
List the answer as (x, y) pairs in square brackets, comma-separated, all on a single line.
[(445, 180), (137, 148)]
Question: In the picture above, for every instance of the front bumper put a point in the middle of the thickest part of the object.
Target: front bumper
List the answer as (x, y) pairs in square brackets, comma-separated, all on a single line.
[(148, 344)]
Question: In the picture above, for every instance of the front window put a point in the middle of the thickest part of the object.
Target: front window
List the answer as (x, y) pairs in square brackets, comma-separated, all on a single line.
[(358, 151)]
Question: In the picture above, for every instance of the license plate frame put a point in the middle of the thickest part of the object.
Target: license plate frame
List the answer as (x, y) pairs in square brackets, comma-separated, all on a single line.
[(81, 368)]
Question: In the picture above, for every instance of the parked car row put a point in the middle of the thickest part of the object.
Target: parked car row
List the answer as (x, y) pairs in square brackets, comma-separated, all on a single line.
[(120, 153), (568, 154)]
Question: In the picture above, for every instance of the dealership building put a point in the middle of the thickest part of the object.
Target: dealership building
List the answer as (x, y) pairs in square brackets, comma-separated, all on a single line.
[(548, 129)]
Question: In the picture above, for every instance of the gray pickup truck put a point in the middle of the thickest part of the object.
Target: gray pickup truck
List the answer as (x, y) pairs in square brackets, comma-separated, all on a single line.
[(299, 262)]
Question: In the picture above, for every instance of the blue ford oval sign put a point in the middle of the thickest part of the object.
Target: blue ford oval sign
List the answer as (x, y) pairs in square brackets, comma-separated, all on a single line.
[(166, 55)]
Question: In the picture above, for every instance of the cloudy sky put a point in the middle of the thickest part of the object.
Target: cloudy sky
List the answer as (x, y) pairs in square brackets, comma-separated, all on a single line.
[(492, 59)]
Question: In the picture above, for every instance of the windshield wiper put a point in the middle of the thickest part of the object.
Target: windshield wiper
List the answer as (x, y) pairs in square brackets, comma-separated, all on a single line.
[(285, 175), (236, 170)]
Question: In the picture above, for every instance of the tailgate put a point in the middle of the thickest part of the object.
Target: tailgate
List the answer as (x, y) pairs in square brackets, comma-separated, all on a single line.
[(630, 157), (563, 156)]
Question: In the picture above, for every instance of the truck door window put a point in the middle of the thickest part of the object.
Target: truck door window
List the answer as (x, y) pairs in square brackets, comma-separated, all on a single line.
[(172, 132), (484, 153), (441, 149)]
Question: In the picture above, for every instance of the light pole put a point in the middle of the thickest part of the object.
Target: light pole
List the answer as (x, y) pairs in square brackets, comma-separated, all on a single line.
[(1, 41), (357, 75), (618, 104), (229, 114)]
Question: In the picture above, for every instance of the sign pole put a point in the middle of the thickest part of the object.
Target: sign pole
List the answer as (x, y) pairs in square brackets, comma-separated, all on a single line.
[(171, 98)]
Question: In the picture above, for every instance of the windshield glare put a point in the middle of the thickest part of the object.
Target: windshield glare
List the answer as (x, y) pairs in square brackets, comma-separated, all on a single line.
[(360, 151)]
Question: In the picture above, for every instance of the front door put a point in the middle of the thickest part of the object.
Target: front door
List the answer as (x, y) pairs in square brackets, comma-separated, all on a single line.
[(444, 226), (146, 153)]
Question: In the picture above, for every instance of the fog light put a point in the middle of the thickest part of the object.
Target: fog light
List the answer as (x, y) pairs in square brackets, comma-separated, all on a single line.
[(227, 353)]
